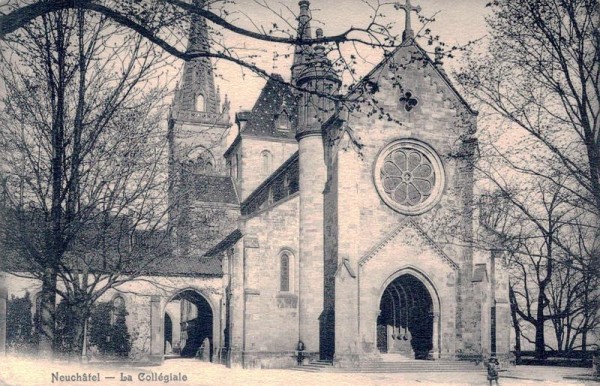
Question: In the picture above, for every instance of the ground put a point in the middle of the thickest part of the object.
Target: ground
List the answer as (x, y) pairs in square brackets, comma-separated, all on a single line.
[(25, 371)]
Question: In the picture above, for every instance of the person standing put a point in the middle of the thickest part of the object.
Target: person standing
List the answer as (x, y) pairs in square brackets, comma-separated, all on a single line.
[(492, 370)]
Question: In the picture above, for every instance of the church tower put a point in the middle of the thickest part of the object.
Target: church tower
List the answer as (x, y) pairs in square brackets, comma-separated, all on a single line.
[(201, 195), (313, 72), (198, 124)]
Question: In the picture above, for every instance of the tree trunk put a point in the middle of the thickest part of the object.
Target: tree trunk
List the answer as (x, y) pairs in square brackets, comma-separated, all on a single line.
[(47, 314), (540, 342), (515, 320), (78, 335)]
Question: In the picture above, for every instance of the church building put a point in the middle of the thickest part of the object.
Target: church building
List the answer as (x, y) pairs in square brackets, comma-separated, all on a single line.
[(340, 229)]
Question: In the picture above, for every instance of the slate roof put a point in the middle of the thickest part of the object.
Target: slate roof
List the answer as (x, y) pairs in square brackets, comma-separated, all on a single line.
[(186, 266), (150, 253), (207, 188), (263, 117), (225, 244), (149, 264)]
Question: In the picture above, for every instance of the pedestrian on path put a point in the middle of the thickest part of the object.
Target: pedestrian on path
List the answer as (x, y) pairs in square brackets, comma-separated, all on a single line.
[(492, 370)]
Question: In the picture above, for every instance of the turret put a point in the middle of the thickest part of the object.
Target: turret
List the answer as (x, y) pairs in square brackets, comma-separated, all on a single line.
[(302, 52), (315, 75), (322, 83)]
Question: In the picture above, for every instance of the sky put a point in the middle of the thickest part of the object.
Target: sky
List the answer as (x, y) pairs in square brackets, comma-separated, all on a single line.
[(456, 21)]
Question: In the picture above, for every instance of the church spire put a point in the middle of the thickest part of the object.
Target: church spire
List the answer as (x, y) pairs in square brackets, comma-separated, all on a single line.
[(198, 34), (196, 90), (302, 52)]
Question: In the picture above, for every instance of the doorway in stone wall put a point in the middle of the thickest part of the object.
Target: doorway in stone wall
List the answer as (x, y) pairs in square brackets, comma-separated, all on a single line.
[(405, 320), (188, 326)]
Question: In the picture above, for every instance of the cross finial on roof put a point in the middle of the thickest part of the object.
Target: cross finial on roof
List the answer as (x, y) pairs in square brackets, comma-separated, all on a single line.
[(408, 8)]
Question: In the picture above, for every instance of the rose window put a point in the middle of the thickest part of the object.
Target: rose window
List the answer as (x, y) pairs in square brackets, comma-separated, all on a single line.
[(409, 176)]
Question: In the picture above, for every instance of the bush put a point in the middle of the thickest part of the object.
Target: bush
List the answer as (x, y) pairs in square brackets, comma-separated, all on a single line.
[(67, 319), (19, 324), (111, 339)]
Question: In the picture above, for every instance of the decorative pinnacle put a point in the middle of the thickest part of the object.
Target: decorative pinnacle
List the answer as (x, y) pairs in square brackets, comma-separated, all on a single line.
[(408, 8), (319, 34), (304, 20)]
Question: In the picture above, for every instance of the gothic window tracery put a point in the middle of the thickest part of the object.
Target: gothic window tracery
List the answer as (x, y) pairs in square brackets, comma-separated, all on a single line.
[(409, 176), (285, 272), (205, 163), (233, 171), (409, 100), (201, 160)]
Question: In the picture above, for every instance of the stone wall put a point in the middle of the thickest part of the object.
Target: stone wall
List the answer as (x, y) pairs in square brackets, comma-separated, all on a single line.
[(140, 296), (188, 141), (249, 151), (266, 334)]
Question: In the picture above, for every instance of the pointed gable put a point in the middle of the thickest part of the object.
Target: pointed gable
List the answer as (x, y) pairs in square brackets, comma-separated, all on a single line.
[(410, 53)]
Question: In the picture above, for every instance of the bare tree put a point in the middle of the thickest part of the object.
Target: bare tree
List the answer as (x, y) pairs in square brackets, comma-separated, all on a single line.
[(164, 23), (537, 84), (541, 73), (548, 284), (82, 165), (572, 293), (77, 164)]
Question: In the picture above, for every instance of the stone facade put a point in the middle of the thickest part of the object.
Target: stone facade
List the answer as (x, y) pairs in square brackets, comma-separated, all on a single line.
[(257, 159), (297, 232)]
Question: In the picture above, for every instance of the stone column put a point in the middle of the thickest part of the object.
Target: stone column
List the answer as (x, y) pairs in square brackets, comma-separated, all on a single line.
[(313, 175), (3, 312), (237, 310), (436, 336), (156, 330)]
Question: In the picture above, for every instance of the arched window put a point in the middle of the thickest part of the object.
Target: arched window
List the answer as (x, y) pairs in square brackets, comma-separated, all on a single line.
[(234, 171), (265, 159), (117, 309), (199, 102), (283, 121), (205, 163), (201, 159), (284, 272)]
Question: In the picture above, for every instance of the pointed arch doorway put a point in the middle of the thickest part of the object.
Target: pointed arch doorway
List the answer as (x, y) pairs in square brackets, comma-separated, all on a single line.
[(407, 323), (188, 326)]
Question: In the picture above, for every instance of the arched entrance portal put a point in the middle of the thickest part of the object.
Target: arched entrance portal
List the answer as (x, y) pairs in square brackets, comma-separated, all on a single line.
[(168, 334), (405, 321), (190, 318)]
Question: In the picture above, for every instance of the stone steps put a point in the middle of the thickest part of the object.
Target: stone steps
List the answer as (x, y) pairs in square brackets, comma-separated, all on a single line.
[(389, 365)]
